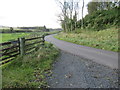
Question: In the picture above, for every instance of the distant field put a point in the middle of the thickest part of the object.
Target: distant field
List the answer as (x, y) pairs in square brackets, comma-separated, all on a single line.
[(4, 37), (11, 36), (104, 39)]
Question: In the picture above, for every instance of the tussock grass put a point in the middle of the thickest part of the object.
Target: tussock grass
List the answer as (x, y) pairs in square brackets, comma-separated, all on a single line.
[(29, 71), (106, 39)]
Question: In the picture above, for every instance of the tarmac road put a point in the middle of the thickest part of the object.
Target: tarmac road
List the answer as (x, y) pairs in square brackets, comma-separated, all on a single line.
[(107, 58)]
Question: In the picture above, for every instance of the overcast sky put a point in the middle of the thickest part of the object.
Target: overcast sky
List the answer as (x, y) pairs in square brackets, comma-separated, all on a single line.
[(31, 13)]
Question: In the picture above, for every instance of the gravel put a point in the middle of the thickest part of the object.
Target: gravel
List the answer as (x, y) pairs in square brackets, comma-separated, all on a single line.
[(71, 71)]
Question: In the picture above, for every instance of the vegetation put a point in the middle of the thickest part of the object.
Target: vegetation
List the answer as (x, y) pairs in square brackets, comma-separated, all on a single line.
[(101, 15), (31, 70), (106, 39), (53, 32), (11, 29), (68, 16), (98, 29), (14, 36), (22, 29), (101, 19), (95, 6), (35, 28)]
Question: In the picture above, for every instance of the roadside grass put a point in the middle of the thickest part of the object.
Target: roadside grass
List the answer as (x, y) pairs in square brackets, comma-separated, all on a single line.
[(30, 71), (106, 39), (53, 32)]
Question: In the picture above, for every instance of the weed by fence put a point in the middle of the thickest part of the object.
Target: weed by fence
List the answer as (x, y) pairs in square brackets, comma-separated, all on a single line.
[(22, 46)]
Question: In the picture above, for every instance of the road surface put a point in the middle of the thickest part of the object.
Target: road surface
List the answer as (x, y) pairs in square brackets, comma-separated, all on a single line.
[(107, 58), (71, 71)]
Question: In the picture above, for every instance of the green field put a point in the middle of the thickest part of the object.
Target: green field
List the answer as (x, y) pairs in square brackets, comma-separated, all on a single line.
[(105, 39), (4, 37), (12, 36)]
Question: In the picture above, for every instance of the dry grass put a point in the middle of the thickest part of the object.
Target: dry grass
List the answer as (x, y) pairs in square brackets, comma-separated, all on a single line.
[(105, 39)]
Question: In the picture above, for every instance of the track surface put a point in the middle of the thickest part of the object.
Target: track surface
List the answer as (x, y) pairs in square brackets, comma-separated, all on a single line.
[(107, 58), (71, 71)]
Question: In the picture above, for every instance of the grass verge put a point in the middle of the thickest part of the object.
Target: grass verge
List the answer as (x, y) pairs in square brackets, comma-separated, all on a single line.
[(106, 39), (29, 71)]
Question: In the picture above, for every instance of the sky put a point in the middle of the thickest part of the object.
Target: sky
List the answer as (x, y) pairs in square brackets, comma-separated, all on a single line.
[(16, 13)]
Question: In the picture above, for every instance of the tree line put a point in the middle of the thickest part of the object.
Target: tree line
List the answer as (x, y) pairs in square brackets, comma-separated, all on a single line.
[(95, 6), (70, 11), (37, 27)]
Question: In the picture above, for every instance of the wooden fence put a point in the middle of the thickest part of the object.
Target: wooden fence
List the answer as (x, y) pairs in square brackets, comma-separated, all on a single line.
[(22, 46)]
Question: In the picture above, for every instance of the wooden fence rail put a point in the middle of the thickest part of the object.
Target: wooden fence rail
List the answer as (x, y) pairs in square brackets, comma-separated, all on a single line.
[(9, 50)]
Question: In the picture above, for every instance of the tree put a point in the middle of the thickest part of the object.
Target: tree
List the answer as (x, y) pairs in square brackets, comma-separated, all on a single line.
[(92, 7), (95, 6), (11, 29), (82, 24), (63, 16), (44, 27), (69, 12), (75, 20), (76, 8)]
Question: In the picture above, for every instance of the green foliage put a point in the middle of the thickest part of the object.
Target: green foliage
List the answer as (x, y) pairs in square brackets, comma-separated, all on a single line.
[(95, 6), (100, 20), (11, 29), (106, 39), (48, 33), (92, 7), (29, 71), (70, 24)]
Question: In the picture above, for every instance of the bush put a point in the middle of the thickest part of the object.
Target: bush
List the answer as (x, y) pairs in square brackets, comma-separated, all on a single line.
[(100, 20)]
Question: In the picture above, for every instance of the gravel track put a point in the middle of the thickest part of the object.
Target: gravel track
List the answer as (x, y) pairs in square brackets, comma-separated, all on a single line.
[(71, 71)]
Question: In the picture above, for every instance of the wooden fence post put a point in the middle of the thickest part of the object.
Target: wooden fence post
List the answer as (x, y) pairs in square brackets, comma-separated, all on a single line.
[(22, 46)]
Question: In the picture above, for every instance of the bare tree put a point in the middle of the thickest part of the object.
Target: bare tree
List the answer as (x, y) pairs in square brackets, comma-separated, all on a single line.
[(76, 9), (82, 22), (69, 13), (64, 15)]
